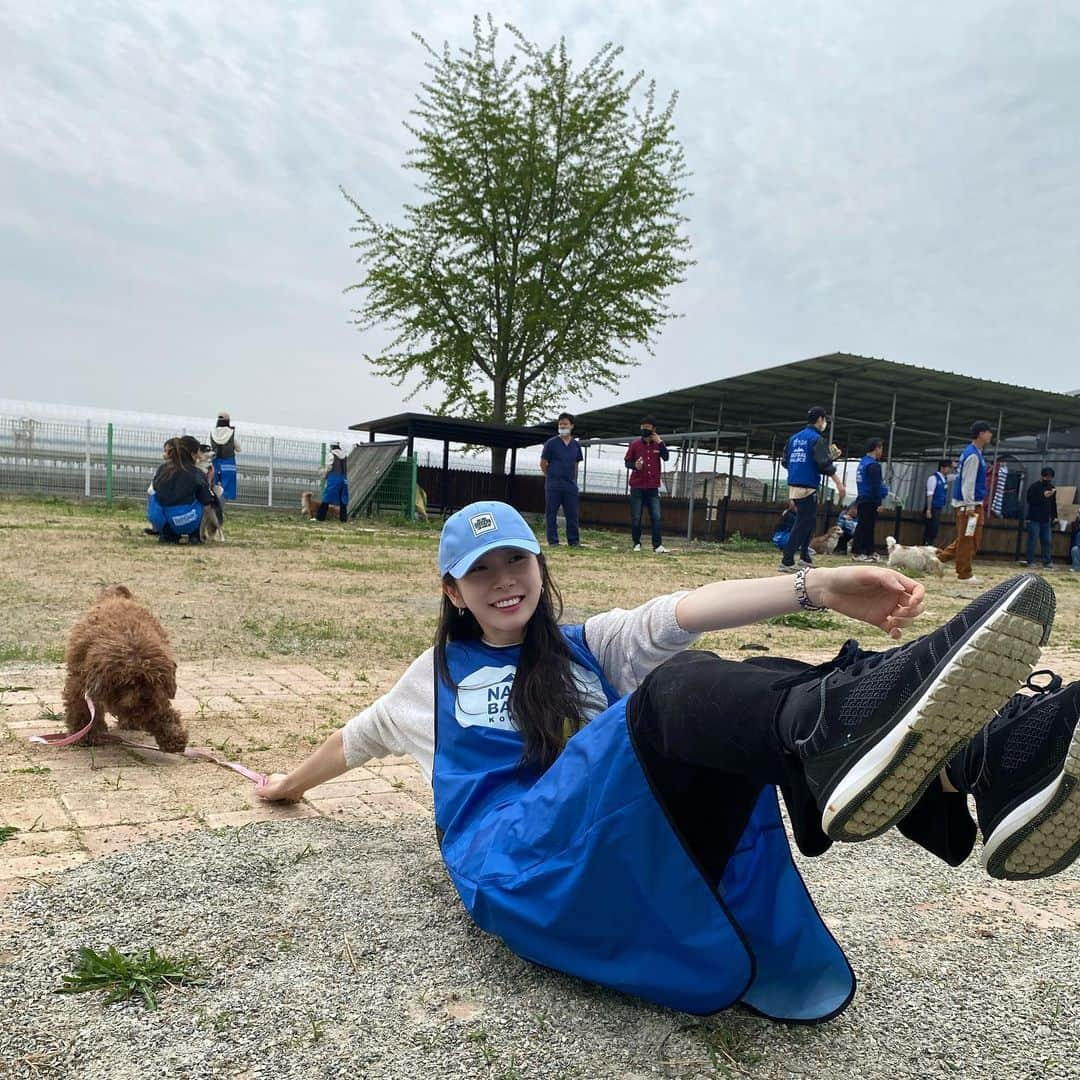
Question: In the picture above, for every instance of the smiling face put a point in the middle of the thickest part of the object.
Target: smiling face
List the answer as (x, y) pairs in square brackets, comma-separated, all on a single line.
[(501, 589)]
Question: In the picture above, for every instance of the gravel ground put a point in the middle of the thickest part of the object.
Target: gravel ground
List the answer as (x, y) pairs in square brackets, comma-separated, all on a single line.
[(959, 976)]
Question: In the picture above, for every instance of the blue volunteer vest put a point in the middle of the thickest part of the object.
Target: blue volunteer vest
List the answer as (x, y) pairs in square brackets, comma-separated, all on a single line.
[(980, 478), (799, 455), (184, 518), (937, 501), (225, 475), (580, 869), (865, 489)]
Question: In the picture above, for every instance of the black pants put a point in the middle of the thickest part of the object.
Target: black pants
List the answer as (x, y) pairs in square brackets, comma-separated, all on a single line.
[(802, 531), (933, 525), (320, 514), (863, 541), (711, 733)]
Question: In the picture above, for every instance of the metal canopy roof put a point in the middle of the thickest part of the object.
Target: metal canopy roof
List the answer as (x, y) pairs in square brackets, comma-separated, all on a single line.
[(448, 429), (772, 402)]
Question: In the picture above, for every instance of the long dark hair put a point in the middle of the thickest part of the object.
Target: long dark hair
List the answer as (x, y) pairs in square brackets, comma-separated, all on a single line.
[(178, 457), (545, 702)]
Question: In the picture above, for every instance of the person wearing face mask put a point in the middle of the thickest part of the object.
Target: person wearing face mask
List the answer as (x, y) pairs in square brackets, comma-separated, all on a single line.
[(559, 463), (643, 460)]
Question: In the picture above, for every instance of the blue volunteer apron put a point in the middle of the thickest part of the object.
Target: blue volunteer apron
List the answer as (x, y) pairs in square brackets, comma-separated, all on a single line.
[(184, 518), (225, 475), (336, 489), (580, 869)]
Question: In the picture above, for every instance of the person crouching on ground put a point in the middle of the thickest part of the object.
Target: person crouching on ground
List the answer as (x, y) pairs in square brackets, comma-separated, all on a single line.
[(605, 797), (179, 493)]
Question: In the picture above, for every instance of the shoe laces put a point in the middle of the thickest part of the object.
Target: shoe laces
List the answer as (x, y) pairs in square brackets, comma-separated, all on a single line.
[(843, 661), (1020, 702)]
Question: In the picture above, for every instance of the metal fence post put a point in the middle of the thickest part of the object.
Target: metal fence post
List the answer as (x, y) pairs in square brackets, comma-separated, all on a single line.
[(86, 463), (270, 476), (412, 487), (108, 465)]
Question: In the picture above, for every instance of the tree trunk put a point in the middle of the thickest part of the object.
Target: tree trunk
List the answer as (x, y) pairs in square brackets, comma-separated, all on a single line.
[(498, 416)]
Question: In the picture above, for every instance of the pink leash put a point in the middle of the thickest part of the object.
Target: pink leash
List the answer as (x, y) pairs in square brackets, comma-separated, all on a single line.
[(59, 738)]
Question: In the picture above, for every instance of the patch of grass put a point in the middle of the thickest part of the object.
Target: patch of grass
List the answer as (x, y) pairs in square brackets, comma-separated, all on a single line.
[(804, 620), (345, 564), (737, 542), (33, 770), (730, 1048), (287, 636), (18, 650), (126, 974), (479, 1038), (7, 832)]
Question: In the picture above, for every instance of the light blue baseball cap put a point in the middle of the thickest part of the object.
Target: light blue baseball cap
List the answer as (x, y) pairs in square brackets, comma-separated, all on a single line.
[(479, 528)]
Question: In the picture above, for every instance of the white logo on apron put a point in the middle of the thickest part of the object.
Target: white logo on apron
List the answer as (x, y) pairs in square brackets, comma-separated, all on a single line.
[(483, 698)]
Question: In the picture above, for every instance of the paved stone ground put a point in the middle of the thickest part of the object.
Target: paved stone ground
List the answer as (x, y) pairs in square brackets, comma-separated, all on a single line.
[(95, 801)]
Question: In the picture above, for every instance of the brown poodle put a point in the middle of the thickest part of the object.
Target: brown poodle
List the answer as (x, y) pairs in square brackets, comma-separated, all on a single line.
[(118, 655)]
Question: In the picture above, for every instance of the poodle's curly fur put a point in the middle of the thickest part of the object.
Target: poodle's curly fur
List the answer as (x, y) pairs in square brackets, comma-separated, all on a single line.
[(118, 655)]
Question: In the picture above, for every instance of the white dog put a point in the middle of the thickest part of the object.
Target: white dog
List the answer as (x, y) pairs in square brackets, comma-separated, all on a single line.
[(913, 558)]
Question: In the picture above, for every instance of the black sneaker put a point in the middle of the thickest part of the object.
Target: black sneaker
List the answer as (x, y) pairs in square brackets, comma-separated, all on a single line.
[(884, 726), (1025, 776)]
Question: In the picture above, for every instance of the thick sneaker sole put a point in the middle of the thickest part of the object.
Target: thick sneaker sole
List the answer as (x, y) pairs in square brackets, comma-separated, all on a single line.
[(980, 674), (1042, 835)]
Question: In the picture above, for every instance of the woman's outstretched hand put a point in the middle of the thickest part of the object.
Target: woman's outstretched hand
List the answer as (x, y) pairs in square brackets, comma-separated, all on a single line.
[(876, 595), (275, 790)]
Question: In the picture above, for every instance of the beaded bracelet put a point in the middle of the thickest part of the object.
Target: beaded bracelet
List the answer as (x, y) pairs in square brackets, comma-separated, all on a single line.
[(801, 594)]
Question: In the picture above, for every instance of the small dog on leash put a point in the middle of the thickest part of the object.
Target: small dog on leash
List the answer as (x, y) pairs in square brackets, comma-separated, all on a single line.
[(309, 505), (825, 544), (118, 655), (923, 557)]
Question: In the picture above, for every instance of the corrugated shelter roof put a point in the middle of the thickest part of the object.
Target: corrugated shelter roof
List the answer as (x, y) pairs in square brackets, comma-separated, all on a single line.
[(771, 403), (449, 429)]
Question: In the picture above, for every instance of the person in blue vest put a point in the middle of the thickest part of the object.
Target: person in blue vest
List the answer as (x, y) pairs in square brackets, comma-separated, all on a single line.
[(336, 485), (605, 796), (807, 459), (559, 461), (870, 490), (179, 493), (225, 448), (937, 492), (968, 492)]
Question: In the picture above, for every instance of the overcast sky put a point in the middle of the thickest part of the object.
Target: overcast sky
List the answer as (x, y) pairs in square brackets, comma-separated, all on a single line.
[(893, 179)]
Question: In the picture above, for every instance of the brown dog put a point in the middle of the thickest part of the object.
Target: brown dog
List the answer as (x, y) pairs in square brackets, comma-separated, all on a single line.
[(825, 544), (118, 655), (309, 505)]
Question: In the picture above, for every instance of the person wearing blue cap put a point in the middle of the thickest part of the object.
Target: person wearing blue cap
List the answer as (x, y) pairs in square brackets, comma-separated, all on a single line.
[(605, 797)]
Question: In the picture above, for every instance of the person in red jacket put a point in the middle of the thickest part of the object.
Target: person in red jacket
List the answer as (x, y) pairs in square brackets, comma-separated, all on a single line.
[(643, 460)]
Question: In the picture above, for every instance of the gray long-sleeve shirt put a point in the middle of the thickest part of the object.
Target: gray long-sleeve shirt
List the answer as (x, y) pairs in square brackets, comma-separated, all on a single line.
[(628, 645)]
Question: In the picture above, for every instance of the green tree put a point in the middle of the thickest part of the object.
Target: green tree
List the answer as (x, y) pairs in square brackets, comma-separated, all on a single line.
[(548, 234)]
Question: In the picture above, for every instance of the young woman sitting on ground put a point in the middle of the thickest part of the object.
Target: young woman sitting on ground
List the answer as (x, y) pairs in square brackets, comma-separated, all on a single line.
[(606, 800)]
